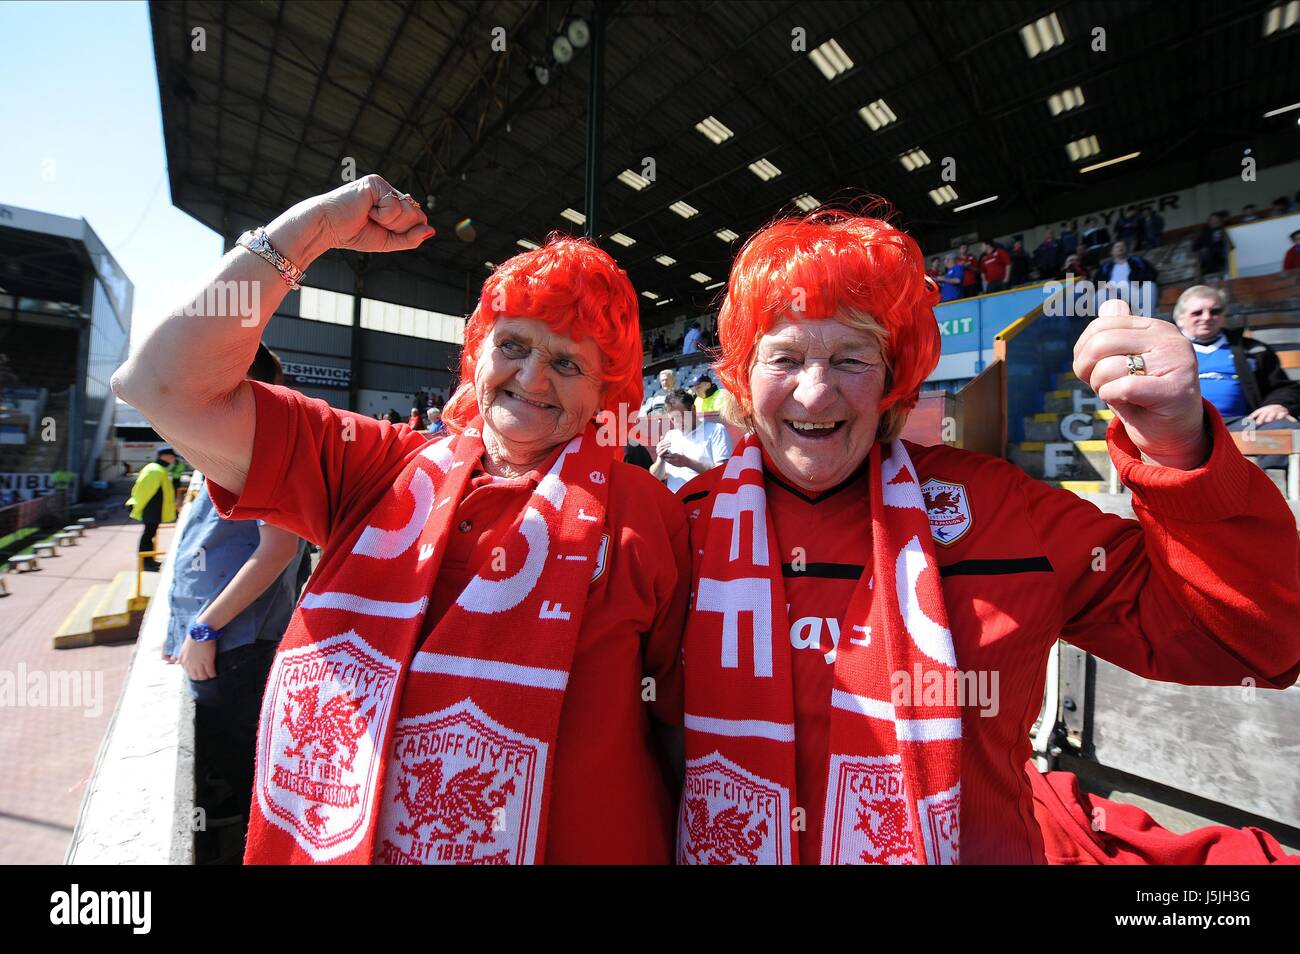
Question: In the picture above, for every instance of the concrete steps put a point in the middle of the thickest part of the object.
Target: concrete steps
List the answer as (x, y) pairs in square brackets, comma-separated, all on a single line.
[(77, 628), (1063, 460), (108, 613), (1065, 444)]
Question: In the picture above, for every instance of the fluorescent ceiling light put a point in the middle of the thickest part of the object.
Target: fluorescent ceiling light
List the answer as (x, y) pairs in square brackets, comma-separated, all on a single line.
[(806, 202), (573, 216), (1042, 35), (664, 302), (1281, 16), (877, 115), (713, 130), (914, 159), (525, 243), (701, 277), (624, 240), (651, 295), (1084, 148), (684, 210), (764, 170), (831, 59), (1110, 162), (488, 265), (633, 180), (714, 285), (971, 205), (726, 235), (665, 260), (1065, 100), (1285, 109), (944, 193)]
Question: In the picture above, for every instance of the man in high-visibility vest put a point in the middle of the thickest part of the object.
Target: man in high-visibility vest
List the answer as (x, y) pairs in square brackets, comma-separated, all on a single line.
[(153, 500), (706, 395)]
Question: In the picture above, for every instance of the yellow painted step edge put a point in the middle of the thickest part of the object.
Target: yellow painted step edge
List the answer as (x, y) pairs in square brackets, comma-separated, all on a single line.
[(1084, 486), (102, 618), (1084, 446), (1047, 417), (81, 604)]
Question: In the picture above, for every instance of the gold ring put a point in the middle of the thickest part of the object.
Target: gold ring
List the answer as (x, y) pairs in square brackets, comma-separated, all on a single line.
[(1135, 364)]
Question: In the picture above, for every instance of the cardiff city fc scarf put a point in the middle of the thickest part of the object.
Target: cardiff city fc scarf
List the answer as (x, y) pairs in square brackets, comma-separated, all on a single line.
[(371, 751), (893, 785)]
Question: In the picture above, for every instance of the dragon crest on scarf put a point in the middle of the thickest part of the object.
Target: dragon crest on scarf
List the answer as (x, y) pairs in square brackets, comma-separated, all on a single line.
[(888, 829), (451, 809), (722, 839), (338, 723)]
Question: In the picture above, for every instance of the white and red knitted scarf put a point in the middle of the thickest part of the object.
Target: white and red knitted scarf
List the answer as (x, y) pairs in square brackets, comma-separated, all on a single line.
[(893, 786), (383, 742)]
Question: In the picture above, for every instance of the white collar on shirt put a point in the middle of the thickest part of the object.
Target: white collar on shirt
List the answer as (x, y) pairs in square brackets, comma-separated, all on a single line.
[(1212, 347)]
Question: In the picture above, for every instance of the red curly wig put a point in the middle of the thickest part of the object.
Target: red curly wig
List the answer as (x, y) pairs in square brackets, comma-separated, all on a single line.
[(575, 288), (831, 264)]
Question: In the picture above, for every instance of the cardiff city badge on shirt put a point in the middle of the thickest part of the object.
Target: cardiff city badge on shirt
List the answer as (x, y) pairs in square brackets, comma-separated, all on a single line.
[(948, 506)]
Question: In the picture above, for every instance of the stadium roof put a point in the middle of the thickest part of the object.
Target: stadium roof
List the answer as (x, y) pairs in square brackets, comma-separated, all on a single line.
[(284, 91)]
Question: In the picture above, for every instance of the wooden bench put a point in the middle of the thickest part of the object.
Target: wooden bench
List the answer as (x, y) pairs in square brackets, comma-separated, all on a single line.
[(21, 564), (44, 550), (1288, 356), (1276, 443)]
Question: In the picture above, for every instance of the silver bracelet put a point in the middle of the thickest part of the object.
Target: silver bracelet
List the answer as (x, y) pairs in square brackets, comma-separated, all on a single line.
[(255, 241)]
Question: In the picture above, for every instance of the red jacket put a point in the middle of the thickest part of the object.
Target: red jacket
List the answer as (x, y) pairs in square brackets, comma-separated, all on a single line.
[(970, 275), (1203, 588), (994, 265), (1292, 259)]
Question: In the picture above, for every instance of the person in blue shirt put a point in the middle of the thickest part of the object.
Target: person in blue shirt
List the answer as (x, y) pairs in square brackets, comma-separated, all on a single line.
[(233, 590), (950, 282), (1242, 377)]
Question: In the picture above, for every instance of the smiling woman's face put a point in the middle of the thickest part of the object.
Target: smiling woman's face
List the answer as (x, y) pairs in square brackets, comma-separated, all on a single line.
[(536, 389), (816, 388)]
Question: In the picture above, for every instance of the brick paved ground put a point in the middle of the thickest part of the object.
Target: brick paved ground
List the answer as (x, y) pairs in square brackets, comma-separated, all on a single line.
[(48, 751)]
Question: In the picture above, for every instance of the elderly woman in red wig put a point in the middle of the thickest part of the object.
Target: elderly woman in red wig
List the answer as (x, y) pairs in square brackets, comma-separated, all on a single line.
[(471, 675), (870, 619)]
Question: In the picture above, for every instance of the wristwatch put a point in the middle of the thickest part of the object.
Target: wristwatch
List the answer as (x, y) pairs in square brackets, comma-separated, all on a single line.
[(255, 241), (203, 633)]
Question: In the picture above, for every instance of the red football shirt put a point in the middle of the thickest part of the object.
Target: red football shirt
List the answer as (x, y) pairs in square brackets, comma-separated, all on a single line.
[(1204, 588), (318, 472), (970, 270), (994, 265)]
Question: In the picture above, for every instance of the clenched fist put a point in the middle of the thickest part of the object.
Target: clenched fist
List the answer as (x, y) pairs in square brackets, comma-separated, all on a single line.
[(1161, 409), (367, 215)]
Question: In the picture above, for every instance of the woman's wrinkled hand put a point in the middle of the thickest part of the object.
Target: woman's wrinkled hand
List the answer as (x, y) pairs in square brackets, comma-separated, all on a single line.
[(1161, 409), (367, 215)]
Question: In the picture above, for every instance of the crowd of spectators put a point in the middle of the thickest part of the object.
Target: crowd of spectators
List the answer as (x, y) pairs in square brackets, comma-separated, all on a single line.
[(1211, 243)]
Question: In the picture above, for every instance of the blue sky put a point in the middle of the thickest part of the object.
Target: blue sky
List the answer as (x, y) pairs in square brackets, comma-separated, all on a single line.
[(83, 138)]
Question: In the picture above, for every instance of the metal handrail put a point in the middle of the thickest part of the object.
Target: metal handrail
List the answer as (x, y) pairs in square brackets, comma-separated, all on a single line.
[(139, 568)]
